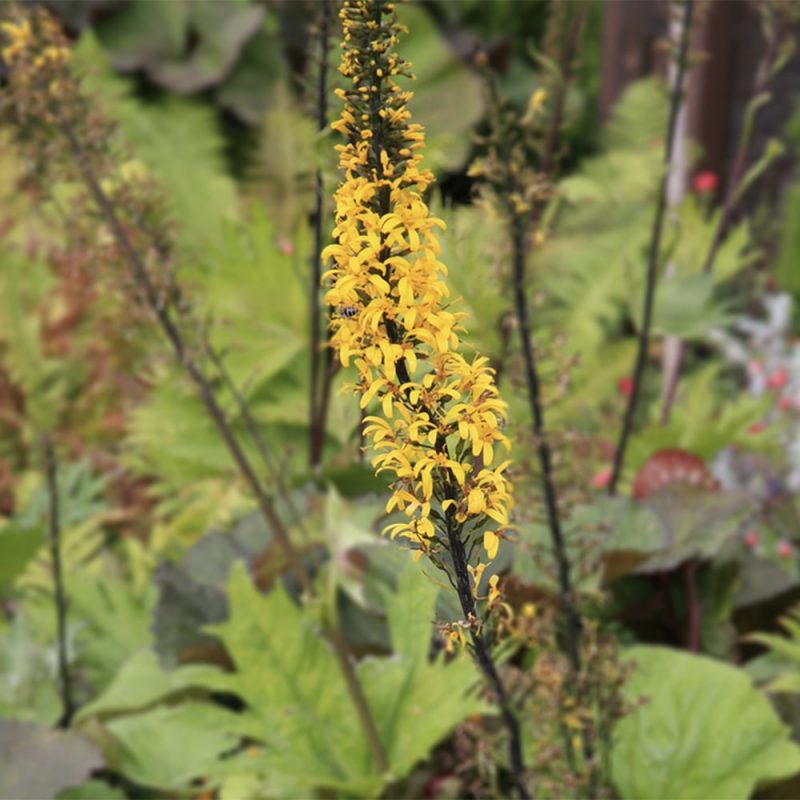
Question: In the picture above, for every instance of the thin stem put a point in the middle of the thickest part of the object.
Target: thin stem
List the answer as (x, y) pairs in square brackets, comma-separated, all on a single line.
[(654, 251), (694, 609), (60, 596), (318, 404), (518, 227), (484, 657), (566, 62), (543, 451), (206, 392), (263, 448)]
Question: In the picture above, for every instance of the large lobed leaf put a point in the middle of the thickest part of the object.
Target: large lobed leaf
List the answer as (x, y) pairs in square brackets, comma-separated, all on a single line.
[(297, 714), (704, 732), (298, 705)]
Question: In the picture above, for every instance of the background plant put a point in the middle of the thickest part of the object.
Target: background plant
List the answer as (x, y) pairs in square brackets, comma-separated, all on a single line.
[(185, 629)]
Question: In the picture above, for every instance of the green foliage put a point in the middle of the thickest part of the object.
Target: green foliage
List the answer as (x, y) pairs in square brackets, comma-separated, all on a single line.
[(18, 545), (592, 270), (785, 650), (448, 99), (24, 285), (170, 747), (704, 732), (296, 705), (157, 39), (178, 141)]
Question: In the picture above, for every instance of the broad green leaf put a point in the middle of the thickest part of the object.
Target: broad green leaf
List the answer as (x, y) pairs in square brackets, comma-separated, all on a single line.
[(448, 98), (93, 790), (171, 746), (297, 705), (705, 731), (141, 682)]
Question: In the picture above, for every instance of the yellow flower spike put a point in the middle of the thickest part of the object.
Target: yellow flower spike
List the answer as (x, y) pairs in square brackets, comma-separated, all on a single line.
[(388, 292)]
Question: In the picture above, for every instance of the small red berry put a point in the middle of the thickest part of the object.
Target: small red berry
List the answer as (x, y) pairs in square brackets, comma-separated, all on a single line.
[(756, 428), (778, 379), (601, 478), (625, 386), (784, 549), (705, 182), (752, 539)]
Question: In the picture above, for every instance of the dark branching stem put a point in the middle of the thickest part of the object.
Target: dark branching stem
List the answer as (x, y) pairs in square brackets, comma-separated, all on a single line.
[(462, 580), (654, 252), (484, 657), (461, 583), (543, 451), (60, 596), (321, 363), (183, 355), (518, 243)]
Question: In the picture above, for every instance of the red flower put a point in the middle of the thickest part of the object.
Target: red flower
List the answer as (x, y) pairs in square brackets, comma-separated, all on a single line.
[(752, 539), (601, 478), (784, 549), (625, 386), (785, 403), (756, 428), (705, 182), (778, 379)]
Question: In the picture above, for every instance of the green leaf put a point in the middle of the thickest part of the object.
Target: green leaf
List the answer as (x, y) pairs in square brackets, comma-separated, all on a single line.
[(112, 622), (448, 98), (18, 545), (141, 682), (221, 30), (39, 762), (705, 732), (171, 746), (296, 703), (93, 790), (178, 140)]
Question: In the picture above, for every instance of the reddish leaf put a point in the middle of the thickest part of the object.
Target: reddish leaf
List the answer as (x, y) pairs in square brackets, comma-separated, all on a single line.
[(672, 466)]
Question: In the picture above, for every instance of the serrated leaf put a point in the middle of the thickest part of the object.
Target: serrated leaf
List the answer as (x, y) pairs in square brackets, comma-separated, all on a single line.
[(296, 704)]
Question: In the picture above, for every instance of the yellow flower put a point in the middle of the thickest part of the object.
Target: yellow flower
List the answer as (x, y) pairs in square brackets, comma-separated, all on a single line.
[(20, 37), (440, 429)]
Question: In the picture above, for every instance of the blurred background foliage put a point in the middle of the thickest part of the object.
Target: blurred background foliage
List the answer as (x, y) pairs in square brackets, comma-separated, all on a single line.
[(192, 661)]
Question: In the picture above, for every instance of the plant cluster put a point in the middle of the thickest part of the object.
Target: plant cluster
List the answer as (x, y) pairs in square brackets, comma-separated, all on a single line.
[(223, 577)]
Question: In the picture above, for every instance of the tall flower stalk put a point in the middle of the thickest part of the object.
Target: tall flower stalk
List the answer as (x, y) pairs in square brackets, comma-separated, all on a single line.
[(439, 431)]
